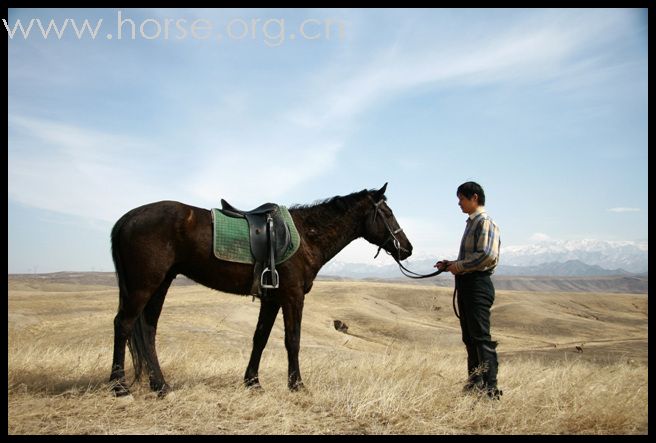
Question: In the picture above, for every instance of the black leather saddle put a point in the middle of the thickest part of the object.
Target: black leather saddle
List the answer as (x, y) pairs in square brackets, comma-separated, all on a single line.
[(269, 239)]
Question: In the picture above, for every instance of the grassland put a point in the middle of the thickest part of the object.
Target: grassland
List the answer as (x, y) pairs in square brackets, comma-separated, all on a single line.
[(398, 370)]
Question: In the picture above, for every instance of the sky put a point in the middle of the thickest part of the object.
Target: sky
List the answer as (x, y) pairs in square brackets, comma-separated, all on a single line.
[(546, 109)]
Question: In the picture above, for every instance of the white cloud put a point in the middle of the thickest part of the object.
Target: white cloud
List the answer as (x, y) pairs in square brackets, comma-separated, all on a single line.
[(93, 173), (536, 49), (72, 170), (624, 209), (249, 173), (540, 236)]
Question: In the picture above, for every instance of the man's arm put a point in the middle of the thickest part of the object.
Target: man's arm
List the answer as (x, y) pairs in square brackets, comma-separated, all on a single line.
[(486, 250)]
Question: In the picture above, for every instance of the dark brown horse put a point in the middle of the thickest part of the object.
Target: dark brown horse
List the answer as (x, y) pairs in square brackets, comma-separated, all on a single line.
[(154, 243)]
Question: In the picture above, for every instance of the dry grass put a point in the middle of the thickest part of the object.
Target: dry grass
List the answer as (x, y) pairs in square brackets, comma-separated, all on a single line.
[(399, 370)]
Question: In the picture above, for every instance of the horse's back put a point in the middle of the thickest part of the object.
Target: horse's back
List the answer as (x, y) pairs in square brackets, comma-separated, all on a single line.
[(159, 210), (161, 224), (169, 237)]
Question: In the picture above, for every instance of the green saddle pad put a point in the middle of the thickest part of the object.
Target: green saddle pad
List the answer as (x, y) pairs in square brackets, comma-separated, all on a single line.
[(232, 242)]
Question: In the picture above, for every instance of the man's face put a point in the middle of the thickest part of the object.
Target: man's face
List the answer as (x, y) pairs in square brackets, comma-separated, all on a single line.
[(468, 205)]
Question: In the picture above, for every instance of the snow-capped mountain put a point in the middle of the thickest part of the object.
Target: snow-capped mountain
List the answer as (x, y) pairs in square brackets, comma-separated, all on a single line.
[(627, 255), (549, 258), (570, 268)]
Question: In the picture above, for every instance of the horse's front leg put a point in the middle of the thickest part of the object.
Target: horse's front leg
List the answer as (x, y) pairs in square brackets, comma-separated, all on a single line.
[(292, 311), (268, 312)]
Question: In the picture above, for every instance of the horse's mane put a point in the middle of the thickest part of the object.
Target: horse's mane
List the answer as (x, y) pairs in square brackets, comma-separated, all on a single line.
[(339, 202)]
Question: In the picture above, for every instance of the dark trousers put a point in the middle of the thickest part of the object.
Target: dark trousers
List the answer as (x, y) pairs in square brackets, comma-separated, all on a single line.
[(475, 298)]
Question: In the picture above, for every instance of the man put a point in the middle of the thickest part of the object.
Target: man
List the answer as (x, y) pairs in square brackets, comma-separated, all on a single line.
[(479, 255)]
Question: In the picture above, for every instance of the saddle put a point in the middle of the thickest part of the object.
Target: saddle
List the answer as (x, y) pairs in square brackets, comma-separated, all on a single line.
[(269, 238)]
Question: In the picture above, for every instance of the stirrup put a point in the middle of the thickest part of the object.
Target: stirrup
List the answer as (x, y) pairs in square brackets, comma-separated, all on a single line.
[(274, 279)]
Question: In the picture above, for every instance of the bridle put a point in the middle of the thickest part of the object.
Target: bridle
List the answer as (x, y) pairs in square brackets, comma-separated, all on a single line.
[(397, 244), (392, 233)]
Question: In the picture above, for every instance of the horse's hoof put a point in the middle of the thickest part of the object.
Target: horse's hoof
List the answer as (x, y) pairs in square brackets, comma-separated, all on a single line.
[(162, 388), (163, 391), (297, 387), (252, 383), (119, 387), (120, 391), (255, 387)]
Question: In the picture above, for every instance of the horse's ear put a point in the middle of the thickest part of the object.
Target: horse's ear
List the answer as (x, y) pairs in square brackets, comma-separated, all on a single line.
[(381, 192)]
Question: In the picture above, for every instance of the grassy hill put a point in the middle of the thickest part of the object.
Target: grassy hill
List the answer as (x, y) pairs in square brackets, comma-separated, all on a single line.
[(635, 284), (398, 369)]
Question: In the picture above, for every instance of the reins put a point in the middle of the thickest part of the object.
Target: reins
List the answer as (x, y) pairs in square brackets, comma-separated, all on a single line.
[(405, 271), (411, 274), (432, 274)]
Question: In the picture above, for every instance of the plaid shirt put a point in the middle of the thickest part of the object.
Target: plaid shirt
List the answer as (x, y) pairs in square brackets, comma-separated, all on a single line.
[(480, 245)]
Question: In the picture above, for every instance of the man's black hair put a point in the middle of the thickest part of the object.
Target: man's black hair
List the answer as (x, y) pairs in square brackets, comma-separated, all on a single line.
[(468, 189)]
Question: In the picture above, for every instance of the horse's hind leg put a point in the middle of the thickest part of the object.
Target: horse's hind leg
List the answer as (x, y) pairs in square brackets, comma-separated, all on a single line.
[(130, 307), (117, 378), (268, 312), (151, 315)]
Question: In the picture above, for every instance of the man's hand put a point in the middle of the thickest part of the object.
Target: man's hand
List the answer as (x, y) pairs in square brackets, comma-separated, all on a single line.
[(445, 265)]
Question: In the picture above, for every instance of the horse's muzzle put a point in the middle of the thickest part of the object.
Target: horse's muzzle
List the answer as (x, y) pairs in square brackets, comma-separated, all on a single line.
[(405, 252)]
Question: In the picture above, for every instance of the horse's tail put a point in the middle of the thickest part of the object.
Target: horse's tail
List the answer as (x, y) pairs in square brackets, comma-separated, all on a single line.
[(137, 346), (137, 339)]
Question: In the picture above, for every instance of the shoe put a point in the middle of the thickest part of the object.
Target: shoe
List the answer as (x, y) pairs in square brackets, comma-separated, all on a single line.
[(473, 384), (474, 372), (494, 393), (487, 355)]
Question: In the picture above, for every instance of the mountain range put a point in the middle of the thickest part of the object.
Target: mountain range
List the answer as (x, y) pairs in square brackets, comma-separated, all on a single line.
[(568, 266), (545, 258), (630, 256)]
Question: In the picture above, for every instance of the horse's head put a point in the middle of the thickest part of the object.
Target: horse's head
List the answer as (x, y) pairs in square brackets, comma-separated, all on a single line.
[(382, 229)]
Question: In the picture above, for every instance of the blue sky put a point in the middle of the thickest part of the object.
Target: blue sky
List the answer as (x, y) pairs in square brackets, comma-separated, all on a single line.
[(547, 109)]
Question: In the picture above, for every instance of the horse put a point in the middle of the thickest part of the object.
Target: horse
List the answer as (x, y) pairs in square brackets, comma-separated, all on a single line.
[(154, 243)]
